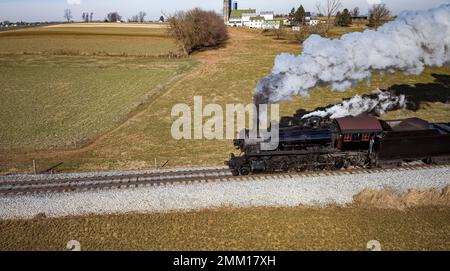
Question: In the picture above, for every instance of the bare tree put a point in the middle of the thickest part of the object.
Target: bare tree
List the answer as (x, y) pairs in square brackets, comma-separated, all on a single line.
[(68, 15), (141, 16), (113, 17), (134, 19), (196, 29), (279, 32), (91, 17), (355, 12), (330, 8), (378, 14), (308, 30), (85, 17)]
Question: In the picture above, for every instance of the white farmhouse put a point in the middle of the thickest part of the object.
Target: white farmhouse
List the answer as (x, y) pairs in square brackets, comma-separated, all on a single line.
[(249, 18), (308, 16), (268, 15), (255, 22), (246, 17), (313, 22), (240, 17)]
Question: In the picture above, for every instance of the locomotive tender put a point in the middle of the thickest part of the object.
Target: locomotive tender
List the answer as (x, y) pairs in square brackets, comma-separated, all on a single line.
[(332, 144)]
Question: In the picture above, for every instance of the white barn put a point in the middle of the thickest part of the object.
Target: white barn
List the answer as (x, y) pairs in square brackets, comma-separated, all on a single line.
[(268, 15), (249, 18), (240, 17), (255, 22)]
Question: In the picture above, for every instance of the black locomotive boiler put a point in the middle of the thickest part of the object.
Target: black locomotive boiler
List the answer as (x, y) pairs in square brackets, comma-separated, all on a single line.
[(331, 144)]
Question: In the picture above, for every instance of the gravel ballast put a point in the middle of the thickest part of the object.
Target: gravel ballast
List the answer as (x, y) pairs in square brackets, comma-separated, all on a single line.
[(275, 191)]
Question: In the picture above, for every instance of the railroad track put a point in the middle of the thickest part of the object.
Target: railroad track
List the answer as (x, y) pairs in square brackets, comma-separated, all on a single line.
[(66, 184), (55, 185)]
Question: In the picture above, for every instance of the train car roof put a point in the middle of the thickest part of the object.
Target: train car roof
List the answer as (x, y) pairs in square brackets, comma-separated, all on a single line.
[(367, 124), (412, 124)]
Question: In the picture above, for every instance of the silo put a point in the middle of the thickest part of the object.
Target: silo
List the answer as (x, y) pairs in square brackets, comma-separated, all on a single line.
[(226, 10)]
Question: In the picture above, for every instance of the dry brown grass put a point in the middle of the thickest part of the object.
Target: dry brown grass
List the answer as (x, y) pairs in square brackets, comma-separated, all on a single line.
[(390, 198), (300, 228), (83, 40)]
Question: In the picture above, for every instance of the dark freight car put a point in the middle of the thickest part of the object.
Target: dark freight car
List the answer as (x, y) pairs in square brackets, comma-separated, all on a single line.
[(412, 139)]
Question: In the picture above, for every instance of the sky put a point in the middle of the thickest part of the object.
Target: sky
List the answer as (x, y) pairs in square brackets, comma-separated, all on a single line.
[(53, 10)]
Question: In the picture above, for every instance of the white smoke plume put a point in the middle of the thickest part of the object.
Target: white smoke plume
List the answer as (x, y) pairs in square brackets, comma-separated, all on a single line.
[(414, 40), (378, 103)]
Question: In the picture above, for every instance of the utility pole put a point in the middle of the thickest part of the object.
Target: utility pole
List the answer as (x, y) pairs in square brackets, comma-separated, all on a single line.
[(34, 167)]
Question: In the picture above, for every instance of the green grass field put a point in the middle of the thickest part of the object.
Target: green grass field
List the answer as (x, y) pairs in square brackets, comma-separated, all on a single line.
[(223, 75)]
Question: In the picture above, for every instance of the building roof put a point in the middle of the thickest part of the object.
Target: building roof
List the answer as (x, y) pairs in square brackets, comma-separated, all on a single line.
[(267, 12), (273, 22), (239, 12), (360, 17), (359, 124), (257, 18), (307, 14)]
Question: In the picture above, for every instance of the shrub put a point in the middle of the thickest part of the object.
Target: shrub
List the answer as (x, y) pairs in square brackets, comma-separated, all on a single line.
[(308, 30), (279, 32), (196, 29)]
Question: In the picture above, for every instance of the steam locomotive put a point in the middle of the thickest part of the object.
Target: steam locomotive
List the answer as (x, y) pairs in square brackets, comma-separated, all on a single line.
[(330, 144)]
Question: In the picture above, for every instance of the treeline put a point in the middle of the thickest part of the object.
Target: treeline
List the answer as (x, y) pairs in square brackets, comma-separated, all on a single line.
[(343, 18), (110, 17), (87, 17), (378, 14)]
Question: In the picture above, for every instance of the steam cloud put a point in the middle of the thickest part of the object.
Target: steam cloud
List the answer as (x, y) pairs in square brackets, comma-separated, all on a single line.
[(378, 103), (415, 39)]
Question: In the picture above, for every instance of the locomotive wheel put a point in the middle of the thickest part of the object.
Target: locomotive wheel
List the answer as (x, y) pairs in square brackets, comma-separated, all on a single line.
[(301, 167), (427, 161), (322, 161), (339, 164), (235, 172), (245, 171)]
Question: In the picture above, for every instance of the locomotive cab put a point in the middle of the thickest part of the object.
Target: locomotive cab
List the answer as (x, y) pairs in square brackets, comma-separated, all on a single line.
[(356, 133)]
